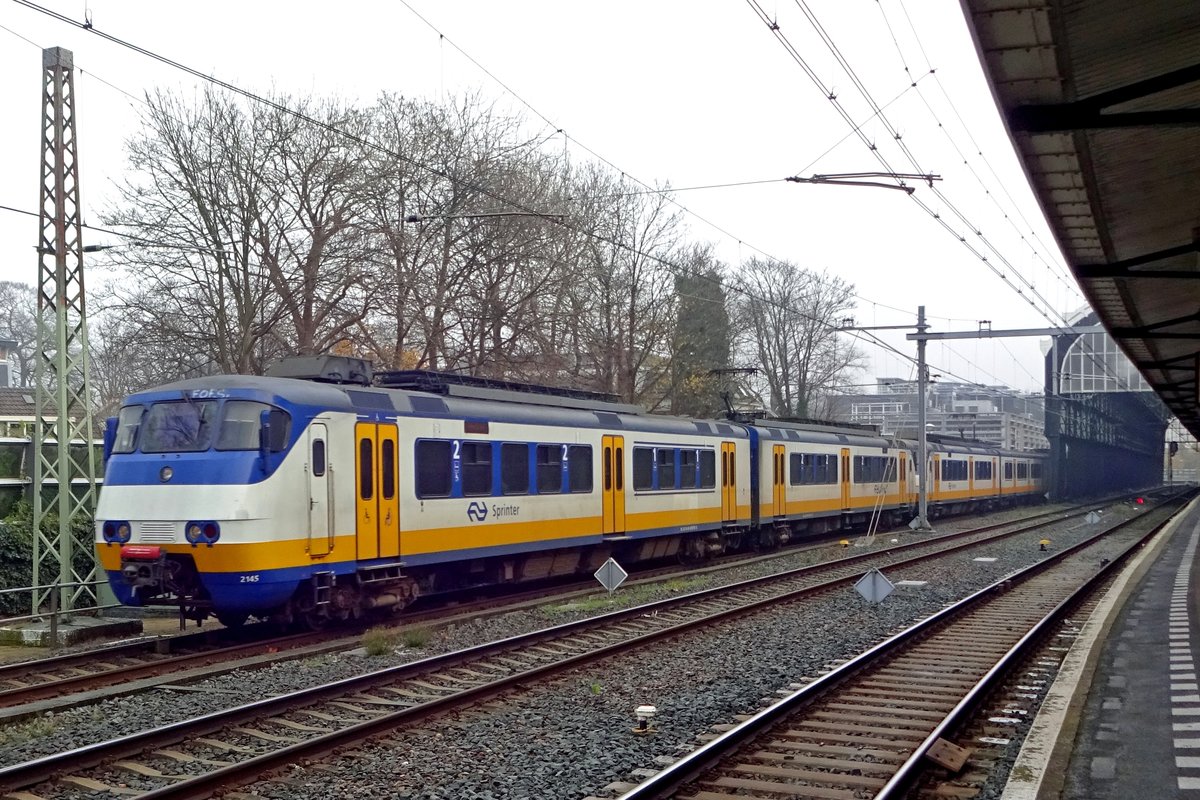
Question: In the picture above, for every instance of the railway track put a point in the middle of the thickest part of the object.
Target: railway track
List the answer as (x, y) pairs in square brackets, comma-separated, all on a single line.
[(238, 744), (866, 728), (75, 678)]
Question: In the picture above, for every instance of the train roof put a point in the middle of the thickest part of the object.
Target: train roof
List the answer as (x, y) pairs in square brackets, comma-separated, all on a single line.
[(819, 433), (371, 400)]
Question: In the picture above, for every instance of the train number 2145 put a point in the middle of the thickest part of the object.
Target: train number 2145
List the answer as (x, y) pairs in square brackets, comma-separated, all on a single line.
[(250, 578)]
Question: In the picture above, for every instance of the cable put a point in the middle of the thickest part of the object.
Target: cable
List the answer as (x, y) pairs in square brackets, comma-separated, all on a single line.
[(444, 39), (674, 268), (131, 237), (832, 97), (946, 132), (967, 130), (22, 38), (898, 138)]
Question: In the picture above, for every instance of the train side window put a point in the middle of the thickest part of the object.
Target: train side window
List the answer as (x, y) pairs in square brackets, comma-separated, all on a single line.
[(666, 467), (620, 469), (687, 469), (318, 458), (387, 468), (514, 468), (643, 468), (1008, 470), (708, 469), (579, 468), (366, 468), (128, 422), (476, 468), (954, 470), (795, 468), (434, 468), (1035, 470), (549, 466), (1022, 470), (608, 483)]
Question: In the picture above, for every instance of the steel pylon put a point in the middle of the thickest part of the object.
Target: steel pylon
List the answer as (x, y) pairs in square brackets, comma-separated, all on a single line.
[(64, 478)]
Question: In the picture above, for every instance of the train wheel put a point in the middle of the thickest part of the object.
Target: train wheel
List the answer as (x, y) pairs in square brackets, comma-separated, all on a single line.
[(232, 619), (316, 619), (691, 550)]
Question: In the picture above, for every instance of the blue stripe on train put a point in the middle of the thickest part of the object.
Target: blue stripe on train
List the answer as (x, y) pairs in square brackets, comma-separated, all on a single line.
[(269, 589)]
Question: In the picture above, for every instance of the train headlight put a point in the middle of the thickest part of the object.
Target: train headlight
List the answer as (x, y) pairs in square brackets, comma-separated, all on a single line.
[(165, 474), (115, 531), (202, 532)]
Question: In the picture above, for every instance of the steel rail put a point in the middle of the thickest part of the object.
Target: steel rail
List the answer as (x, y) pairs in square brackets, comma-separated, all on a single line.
[(687, 769), (35, 771), (21, 702)]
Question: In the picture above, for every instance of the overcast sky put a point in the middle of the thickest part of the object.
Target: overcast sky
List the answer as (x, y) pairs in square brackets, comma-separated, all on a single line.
[(686, 92)]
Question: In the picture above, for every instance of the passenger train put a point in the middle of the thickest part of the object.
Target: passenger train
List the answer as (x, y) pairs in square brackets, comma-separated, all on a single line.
[(321, 492)]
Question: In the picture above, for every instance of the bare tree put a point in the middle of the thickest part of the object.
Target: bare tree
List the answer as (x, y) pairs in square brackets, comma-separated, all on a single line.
[(789, 318), (195, 198), (246, 244), (19, 324)]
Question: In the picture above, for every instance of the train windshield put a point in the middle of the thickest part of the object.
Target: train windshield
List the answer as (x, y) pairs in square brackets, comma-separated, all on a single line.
[(181, 426), (127, 428)]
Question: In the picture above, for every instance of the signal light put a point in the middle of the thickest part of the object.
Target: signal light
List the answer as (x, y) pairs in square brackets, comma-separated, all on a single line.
[(1141, 501)]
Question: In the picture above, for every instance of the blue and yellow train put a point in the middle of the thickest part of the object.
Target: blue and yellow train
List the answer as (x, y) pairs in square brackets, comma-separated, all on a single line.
[(320, 492)]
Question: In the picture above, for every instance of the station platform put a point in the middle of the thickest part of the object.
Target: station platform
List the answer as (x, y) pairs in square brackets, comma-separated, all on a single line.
[(73, 630), (1121, 721)]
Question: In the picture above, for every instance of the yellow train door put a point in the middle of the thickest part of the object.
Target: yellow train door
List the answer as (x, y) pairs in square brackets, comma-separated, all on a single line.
[(728, 481), (389, 498), (937, 473), (614, 484), (367, 529), (780, 498), (844, 478), (902, 476), (971, 474), (377, 461)]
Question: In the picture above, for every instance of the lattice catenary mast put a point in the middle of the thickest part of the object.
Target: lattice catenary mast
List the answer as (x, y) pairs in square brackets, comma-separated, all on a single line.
[(64, 482)]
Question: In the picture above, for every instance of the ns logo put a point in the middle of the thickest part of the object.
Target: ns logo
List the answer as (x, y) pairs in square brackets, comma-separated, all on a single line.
[(477, 511)]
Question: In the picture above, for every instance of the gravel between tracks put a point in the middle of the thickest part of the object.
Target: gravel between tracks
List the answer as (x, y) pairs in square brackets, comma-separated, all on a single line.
[(571, 737)]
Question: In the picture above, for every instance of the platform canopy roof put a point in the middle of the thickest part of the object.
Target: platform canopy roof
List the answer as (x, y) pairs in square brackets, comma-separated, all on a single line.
[(1102, 101)]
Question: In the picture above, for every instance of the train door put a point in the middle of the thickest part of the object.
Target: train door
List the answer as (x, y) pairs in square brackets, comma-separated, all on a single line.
[(844, 476), (728, 481), (936, 469), (320, 539), (614, 484), (902, 476), (971, 474), (378, 517), (389, 499), (779, 496)]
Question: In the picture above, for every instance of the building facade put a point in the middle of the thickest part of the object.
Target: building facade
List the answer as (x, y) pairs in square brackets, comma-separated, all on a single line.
[(988, 413)]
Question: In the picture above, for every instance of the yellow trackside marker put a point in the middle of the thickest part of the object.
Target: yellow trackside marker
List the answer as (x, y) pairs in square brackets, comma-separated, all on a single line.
[(1043, 544), (844, 542)]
